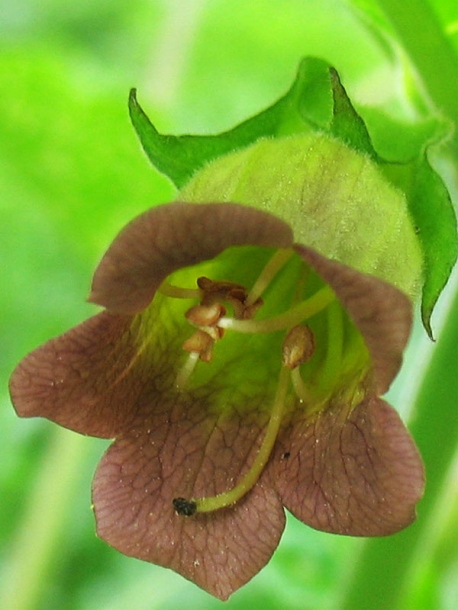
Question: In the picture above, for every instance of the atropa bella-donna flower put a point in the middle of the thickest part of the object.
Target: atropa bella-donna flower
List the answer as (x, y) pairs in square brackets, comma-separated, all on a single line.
[(248, 332)]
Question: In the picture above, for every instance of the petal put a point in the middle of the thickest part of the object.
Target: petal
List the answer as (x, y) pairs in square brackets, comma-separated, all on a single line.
[(183, 452), (381, 312), (79, 379), (355, 473), (172, 236)]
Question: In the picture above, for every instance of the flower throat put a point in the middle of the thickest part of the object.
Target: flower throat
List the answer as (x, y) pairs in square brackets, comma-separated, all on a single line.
[(225, 307)]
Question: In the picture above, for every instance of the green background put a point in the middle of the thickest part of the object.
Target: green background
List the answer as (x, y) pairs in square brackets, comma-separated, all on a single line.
[(72, 174)]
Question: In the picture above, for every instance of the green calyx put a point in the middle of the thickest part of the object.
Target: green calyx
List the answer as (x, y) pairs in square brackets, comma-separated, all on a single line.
[(336, 199), (420, 215)]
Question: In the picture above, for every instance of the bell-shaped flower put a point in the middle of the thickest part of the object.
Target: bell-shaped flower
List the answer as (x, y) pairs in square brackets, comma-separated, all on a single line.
[(249, 332), (239, 374)]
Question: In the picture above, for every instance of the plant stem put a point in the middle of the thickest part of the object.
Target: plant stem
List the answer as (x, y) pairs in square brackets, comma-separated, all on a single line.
[(385, 565), (431, 52), (173, 48), (35, 548)]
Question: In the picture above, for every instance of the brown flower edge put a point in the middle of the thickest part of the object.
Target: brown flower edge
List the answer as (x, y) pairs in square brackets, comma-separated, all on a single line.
[(346, 465)]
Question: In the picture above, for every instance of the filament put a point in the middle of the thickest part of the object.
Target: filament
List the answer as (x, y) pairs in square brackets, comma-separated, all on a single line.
[(177, 292), (332, 364), (186, 371), (306, 309), (303, 393), (278, 260)]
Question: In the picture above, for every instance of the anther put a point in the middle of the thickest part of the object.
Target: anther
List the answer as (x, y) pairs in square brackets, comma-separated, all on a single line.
[(201, 343), (242, 311), (215, 290), (235, 294), (298, 346), (205, 315), (215, 332)]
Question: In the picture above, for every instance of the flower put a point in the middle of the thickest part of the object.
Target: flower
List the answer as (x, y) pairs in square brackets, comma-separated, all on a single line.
[(239, 373)]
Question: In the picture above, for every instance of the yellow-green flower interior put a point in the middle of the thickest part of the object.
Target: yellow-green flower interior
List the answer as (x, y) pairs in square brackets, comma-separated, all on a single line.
[(241, 354)]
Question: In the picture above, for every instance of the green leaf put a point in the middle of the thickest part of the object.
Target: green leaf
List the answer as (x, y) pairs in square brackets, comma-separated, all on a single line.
[(385, 568), (317, 101), (428, 199), (346, 123), (308, 105), (433, 215), (432, 210), (400, 140)]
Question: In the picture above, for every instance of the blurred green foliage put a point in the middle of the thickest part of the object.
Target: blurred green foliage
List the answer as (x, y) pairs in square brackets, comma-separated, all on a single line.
[(72, 174)]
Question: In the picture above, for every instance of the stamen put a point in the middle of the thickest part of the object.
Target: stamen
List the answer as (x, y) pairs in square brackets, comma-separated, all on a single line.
[(186, 371), (218, 289), (330, 369), (278, 260), (205, 315), (241, 310), (302, 311), (180, 293), (298, 346), (200, 342), (302, 391), (204, 505)]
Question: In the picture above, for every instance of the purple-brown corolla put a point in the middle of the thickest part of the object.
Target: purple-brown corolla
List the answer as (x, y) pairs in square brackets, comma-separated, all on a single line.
[(240, 373)]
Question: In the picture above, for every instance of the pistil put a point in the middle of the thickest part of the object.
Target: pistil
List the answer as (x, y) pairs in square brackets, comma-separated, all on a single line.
[(188, 508), (298, 348), (331, 367)]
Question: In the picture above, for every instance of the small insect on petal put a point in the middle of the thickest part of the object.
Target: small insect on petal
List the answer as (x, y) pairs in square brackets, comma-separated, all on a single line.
[(183, 507)]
